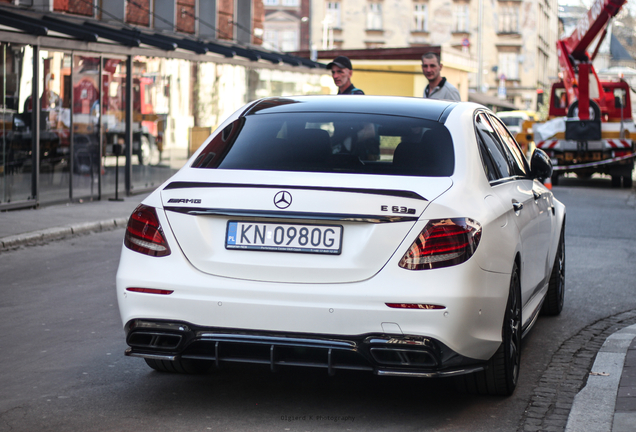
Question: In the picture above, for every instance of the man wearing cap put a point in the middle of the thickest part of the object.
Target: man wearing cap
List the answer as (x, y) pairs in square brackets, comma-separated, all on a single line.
[(438, 87), (341, 71)]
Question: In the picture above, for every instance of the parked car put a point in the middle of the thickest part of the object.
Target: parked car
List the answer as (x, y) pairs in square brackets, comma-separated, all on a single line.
[(514, 119), (400, 236)]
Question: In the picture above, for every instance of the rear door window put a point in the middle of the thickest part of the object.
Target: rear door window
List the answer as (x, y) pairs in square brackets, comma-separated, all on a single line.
[(496, 163), (517, 159)]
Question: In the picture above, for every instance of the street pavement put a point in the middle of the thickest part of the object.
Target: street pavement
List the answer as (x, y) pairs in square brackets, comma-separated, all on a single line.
[(606, 403)]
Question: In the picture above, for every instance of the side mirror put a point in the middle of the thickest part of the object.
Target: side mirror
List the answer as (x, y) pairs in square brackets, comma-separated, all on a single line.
[(540, 165)]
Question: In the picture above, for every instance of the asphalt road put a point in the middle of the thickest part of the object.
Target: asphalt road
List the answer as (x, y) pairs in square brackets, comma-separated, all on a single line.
[(62, 366)]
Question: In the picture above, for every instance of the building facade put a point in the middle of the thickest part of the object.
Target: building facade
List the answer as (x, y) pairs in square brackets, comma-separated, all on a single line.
[(286, 25), (100, 98), (512, 42)]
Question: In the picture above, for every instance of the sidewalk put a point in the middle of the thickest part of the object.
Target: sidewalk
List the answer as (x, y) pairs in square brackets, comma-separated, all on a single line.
[(606, 403), (27, 227)]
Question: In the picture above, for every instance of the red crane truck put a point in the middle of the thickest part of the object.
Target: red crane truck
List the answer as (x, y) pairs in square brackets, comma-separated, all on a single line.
[(597, 114)]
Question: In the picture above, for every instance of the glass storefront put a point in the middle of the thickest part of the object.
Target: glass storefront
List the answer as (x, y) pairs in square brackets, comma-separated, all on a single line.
[(86, 123), (15, 130), (161, 106), (176, 104)]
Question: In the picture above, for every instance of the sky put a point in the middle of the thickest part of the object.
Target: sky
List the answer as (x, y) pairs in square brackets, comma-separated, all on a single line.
[(631, 4)]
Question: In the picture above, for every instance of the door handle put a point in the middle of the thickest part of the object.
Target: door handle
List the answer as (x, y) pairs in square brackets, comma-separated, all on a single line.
[(517, 206), (536, 195)]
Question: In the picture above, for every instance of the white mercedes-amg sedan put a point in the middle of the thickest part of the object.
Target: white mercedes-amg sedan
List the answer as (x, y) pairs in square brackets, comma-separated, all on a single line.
[(400, 236)]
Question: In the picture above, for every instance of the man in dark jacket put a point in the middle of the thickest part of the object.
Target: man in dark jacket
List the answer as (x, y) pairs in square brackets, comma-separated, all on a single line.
[(341, 71)]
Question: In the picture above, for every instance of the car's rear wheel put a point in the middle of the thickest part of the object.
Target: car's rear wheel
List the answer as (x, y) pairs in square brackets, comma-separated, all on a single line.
[(500, 377), (628, 182), (553, 303), (184, 366)]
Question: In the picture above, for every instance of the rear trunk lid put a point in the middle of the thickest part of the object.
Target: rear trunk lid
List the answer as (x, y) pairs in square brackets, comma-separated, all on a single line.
[(295, 227)]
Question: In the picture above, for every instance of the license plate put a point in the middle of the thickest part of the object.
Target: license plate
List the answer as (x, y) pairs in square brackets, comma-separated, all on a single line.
[(322, 239)]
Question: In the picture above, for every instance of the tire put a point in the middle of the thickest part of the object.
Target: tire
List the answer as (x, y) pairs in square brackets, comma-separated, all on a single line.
[(145, 151), (594, 108), (553, 303), (555, 179), (182, 366), (502, 373), (628, 182), (616, 181)]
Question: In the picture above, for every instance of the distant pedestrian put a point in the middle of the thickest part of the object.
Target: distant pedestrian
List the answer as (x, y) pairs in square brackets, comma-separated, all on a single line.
[(341, 71), (438, 87)]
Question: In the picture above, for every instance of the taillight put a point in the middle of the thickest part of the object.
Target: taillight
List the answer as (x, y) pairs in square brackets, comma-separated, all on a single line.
[(144, 233), (443, 243)]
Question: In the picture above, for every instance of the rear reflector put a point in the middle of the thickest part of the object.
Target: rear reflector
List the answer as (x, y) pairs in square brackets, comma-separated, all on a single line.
[(414, 306), (443, 243), (144, 233), (150, 291)]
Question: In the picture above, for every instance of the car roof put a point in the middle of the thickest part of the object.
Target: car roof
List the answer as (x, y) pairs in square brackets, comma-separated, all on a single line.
[(389, 105)]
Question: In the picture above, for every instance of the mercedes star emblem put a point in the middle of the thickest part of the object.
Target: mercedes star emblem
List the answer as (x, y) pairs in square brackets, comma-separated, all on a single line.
[(282, 199)]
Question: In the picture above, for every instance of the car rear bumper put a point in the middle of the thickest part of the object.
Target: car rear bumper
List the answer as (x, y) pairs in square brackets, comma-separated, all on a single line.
[(389, 355)]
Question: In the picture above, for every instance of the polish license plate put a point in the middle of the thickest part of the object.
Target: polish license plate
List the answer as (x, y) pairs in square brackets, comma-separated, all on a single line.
[(275, 237)]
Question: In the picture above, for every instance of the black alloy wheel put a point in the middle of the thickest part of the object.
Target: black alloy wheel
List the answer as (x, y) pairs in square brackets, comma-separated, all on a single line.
[(502, 373)]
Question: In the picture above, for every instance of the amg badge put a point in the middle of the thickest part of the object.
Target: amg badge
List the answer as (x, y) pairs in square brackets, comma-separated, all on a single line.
[(184, 201)]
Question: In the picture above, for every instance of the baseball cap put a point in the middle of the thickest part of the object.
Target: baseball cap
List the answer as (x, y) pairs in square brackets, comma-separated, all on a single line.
[(341, 62)]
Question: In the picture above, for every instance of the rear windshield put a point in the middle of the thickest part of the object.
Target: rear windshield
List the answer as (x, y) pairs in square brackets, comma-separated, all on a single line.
[(332, 142)]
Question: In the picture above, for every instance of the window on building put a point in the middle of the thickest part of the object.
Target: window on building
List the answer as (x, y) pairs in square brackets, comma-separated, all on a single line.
[(281, 39), (270, 2), (509, 65), (374, 16), (291, 3), (461, 17), (289, 40), (508, 19), (420, 15), (270, 39), (333, 14)]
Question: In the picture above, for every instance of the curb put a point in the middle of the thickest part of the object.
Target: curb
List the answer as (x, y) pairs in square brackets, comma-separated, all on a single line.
[(58, 233), (594, 406)]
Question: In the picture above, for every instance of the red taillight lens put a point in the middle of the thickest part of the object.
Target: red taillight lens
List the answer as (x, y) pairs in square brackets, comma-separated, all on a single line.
[(415, 306), (144, 233), (443, 243), (150, 291)]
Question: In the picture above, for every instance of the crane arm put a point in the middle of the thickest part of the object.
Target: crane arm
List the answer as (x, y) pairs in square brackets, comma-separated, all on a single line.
[(590, 26)]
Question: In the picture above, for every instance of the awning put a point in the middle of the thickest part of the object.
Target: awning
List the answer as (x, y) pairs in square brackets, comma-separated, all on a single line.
[(91, 30), (490, 101)]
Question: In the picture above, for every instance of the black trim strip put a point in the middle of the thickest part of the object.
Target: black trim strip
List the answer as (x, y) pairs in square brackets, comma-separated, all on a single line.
[(387, 192), (24, 25), (444, 116), (291, 215)]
